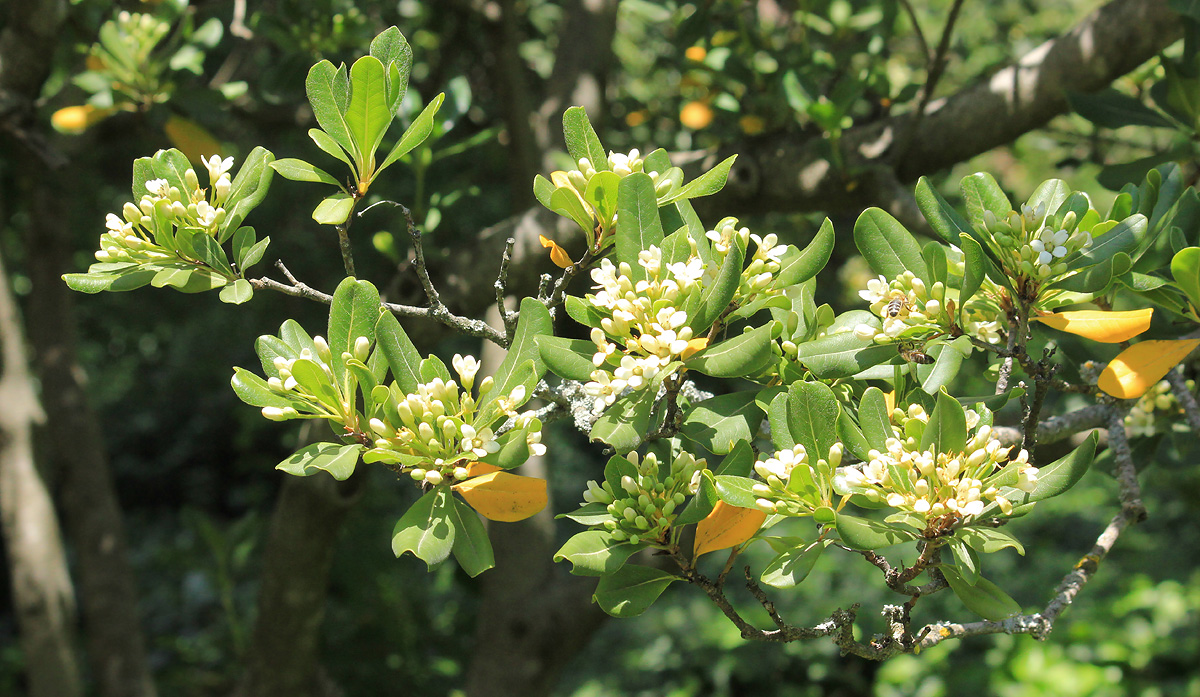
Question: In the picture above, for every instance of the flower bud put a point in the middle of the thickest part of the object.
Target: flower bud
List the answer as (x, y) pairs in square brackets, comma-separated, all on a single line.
[(434, 477), (362, 347)]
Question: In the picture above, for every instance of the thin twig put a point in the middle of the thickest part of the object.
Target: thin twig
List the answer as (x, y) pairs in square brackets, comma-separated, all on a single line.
[(934, 74), (508, 318), (925, 52), (1186, 399)]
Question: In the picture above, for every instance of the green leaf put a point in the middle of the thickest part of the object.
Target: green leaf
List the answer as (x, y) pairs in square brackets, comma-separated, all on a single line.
[(581, 139), (354, 311), (864, 534), (984, 598), (720, 423), (968, 560), (398, 349), (874, 419), (638, 224), (800, 266), (1052, 480), (416, 133), (425, 529), (533, 321), (631, 590), (566, 203), (887, 246), (837, 356), (336, 459), (989, 540), (393, 51), (946, 431), (717, 296), (1124, 237), (942, 217), (325, 93), (1052, 192), (935, 260), (301, 171), (330, 146), (595, 553), (852, 437), (254, 391), (1185, 269), (582, 311), (237, 293), (777, 417), (792, 566), (471, 547), (1112, 109), (513, 452), (567, 358), (974, 270), (982, 193), (742, 355), (211, 253), (623, 425), (812, 417), (334, 210), (947, 359), (706, 184)]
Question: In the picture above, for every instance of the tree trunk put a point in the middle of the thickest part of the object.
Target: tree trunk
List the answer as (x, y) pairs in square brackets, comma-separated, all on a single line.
[(42, 596), (72, 448), (283, 658)]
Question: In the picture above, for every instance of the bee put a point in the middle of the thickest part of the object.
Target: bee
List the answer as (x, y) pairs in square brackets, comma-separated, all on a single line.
[(914, 352), (897, 305)]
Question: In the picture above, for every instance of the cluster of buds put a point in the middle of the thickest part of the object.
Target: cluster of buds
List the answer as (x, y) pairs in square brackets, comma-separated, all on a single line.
[(433, 432), (622, 165), (644, 506), (792, 485), (1031, 245), (946, 487), (759, 274), (644, 328), (139, 33), (163, 207), (1142, 419), (911, 310), (309, 381)]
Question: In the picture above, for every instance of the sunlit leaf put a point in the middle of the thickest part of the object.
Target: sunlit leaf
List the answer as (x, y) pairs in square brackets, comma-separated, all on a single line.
[(1099, 325), (503, 496), (1141, 366), (727, 526)]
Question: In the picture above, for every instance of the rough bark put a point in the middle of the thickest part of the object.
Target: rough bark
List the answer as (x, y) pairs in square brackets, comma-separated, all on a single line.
[(72, 447), (283, 658), (43, 598), (533, 616)]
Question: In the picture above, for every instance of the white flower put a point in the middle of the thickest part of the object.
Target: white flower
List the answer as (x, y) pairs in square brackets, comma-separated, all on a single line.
[(216, 166)]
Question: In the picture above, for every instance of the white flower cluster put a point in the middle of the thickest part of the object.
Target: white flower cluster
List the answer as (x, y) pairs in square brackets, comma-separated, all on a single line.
[(910, 309), (643, 317), (936, 484), (792, 485), (135, 238), (1142, 419), (644, 507), (765, 262), (314, 388), (435, 426), (1034, 247), (622, 165)]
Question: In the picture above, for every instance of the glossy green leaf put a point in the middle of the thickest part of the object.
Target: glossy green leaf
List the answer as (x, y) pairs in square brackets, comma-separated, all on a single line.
[(842, 355), (874, 418), (812, 417), (393, 51), (720, 423), (1185, 269), (706, 184), (967, 559), (425, 529), (719, 294), (581, 139), (336, 459), (864, 534), (416, 133), (1124, 237), (1112, 109), (472, 548), (334, 210), (984, 598), (798, 267), (792, 566), (741, 355), (254, 391), (946, 431), (947, 359), (981, 193), (638, 224), (301, 171), (326, 93), (238, 292), (567, 358), (330, 146), (631, 590), (887, 246), (354, 311), (935, 260), (624, 424), (533, 321), (401, 354), (595, 553), (989, 540)]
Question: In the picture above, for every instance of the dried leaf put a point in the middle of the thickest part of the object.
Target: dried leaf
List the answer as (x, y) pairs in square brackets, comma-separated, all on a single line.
[(1098, 325), (503, 496), (1141, 366), (727, 526)]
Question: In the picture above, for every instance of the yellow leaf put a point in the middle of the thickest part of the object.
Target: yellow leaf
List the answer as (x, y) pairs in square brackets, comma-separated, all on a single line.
[(752, 125), (727, 526), (696, 115), (695, 53), (503, 496), (477, 468), (1098, 325), (76, 119), (693, 347), (560, 180), (1142, 365), (192, 139), (890, 400), (558, 255)]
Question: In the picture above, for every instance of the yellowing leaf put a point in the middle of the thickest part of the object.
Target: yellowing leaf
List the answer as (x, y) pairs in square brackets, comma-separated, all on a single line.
[(1142, 365), (76, 119), (727, 526), (695, 53), (890, 400), (560, 179), (191, 138), (1098, 325), (558, 255), (693, 347), (477, 468), (503, 496)]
